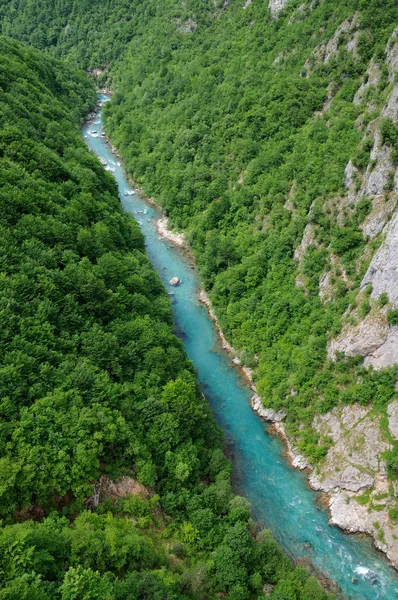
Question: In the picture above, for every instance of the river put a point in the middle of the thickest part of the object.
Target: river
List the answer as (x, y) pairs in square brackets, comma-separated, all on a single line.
[(280, 497)]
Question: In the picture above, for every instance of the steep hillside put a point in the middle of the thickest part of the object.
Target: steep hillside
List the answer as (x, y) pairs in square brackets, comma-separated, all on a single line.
[(113, 482), (272, 142), (270, 135)]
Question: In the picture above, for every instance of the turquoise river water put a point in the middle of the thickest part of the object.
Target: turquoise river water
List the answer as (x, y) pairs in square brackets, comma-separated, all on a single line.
[(279, 495)]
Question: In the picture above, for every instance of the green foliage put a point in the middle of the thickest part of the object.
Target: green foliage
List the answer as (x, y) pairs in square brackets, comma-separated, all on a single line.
[(93, 380), (227, 127), (393, 513), (392, 316), (225, 124), (383, 299)]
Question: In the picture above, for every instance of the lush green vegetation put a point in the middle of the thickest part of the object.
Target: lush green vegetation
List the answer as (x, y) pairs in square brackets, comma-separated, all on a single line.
[(226, 128), (220, 115), (94, 382)]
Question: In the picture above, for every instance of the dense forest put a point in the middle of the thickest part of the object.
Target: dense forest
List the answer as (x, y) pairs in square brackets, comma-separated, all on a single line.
[(241, 125), (95, 386)]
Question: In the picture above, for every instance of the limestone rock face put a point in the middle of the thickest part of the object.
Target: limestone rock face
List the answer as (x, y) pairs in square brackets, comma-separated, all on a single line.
[(364, 339), (371, 518), (268, 414), (392, 411), (375, 222), (324, 52), (391, 108), (383, 269), (392, 55), (354, 460), (276, 6), (373, 77), (386, 354), (375, 180), (308, 240)]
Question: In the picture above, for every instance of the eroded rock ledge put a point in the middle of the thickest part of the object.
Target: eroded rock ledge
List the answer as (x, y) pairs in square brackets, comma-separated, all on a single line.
[(353, 475)]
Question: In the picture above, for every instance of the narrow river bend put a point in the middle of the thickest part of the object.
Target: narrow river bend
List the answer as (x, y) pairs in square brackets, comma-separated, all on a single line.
[(280, 498)]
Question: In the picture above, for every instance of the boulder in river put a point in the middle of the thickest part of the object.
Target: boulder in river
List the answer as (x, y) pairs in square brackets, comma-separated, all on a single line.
[(175, 281)]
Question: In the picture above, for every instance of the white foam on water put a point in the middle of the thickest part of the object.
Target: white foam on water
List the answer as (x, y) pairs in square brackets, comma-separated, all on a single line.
[(361, 570)]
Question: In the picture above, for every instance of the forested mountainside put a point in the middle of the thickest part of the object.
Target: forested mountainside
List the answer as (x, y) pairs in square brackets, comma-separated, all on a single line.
[(113, 479), (269, 133)]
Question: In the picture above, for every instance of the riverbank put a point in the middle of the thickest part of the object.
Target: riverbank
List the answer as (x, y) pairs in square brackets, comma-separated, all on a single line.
[(343, 505), (278, 494)]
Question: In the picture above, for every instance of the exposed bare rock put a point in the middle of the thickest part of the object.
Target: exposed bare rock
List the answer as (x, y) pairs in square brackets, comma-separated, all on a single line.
[(280, 57), (387, 353), (373, 74), (352, 44), (364, 338), (268, 414), (391, 108), (325, 287), (162, 227), (392, 411), (371, 518), (392, 55), (188, 26), (383, 269), (382, 209), (105, 488), (300, 281), (96, 71), (247, 3), (325, 52), (378, 177), (327, 103), (289, 202), (126, 486), (354, 459), (300, 13), (276, 6), (297, 460), (308, 240), (351, 174)]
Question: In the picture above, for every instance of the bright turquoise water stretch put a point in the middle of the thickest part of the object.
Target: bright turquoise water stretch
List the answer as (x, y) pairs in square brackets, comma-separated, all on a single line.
[(280, 498)]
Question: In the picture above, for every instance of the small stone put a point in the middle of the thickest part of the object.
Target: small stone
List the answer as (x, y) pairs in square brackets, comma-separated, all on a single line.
[(175, 281), (268, 588), (354, 580)]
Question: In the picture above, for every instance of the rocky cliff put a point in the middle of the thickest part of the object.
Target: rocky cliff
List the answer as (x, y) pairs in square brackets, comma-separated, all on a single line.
[(354, 472)]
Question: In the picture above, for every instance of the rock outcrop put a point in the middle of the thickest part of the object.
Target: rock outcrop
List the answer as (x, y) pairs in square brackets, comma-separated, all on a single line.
[(367, 515), (162, 227), (106, 488), (382, 272), (392, 55), (276, 6), (392, 412), (326, 51), (308, 239), (268, 414), (364, 338), (353, 474), (355, 458)]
